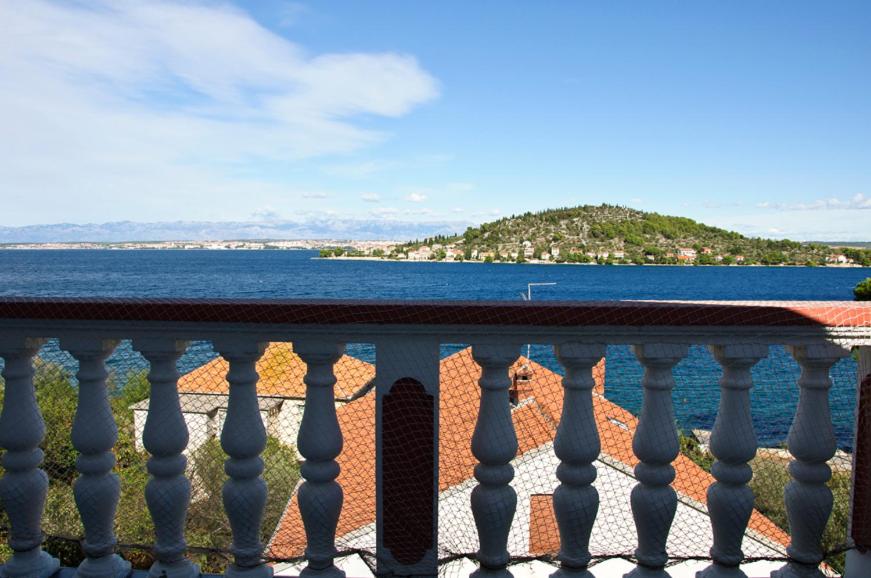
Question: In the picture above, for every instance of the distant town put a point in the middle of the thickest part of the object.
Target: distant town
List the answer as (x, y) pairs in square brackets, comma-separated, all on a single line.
[(363, 247)]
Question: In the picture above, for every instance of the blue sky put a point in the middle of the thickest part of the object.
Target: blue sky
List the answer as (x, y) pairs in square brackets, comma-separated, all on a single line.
[(754, 116)]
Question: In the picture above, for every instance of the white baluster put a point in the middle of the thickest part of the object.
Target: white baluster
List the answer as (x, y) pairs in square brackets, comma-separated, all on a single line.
[(654, 501), (576, 501), (812, 443), (24, 485), (165, 436), (494, 444), (733, 443), (243, 439), (96, 489), (320, 443)]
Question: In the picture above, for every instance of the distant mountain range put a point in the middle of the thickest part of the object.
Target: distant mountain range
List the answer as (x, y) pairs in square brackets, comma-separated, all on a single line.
[(349, 229)]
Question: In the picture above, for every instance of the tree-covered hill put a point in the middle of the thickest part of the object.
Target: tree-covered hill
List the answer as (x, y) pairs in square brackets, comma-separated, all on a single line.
[(615, 234)]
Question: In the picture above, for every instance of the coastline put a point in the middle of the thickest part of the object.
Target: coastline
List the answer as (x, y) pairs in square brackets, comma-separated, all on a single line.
[(476, 262)]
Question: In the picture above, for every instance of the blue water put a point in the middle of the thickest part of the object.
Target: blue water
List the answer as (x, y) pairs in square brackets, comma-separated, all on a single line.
[(296, 274)]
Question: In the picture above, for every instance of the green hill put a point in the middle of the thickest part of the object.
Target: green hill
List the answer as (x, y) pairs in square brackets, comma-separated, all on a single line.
[(614, 234)]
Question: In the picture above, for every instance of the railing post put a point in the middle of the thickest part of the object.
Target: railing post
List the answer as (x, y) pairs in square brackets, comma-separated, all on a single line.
[(94, 434), (407, 458), (165, 436), (243, 439), (25, 485), (494, 444), (811, 441), (859, 558), (576, 501), (320, 443), (656, 444), (733, 443)]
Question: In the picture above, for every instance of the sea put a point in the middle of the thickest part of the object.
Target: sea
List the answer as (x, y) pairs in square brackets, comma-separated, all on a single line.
[(300, 274)]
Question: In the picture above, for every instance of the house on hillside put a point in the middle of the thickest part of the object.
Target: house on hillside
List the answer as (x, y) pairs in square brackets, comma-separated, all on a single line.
[(686, 254), (204, 393), (536, 396)]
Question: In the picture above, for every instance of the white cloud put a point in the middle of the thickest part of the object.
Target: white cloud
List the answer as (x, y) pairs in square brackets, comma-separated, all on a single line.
[(371, 197), (858, 201), (315, 195), (415, 197), (124, 109)]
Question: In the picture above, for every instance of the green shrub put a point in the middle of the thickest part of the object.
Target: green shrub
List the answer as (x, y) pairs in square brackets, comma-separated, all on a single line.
[(863, 290), (207, 524), (770, 477)]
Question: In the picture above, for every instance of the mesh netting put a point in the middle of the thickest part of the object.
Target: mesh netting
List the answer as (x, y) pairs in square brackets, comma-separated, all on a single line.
[(536, 404)]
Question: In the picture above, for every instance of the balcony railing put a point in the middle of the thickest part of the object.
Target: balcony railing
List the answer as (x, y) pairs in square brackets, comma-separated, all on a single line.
[(406, 336)]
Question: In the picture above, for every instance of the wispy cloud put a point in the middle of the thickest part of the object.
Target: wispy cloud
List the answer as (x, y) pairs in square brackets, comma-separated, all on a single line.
[(415, 197), (857, 202), (384, 212), (315, 195), (371, 197), (162, 100), (265, 214)]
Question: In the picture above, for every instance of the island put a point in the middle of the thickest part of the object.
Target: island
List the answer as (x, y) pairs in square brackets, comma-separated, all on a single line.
[(610, 234)]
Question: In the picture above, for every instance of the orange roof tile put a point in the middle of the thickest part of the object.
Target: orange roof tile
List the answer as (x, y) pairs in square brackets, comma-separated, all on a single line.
[(281, 375), (535, 421)]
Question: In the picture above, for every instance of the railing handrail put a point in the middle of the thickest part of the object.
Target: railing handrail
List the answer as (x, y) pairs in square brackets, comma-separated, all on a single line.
[(628, 313)]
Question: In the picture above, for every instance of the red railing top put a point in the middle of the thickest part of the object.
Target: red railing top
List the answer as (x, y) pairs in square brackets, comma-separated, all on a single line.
[(377, 312)]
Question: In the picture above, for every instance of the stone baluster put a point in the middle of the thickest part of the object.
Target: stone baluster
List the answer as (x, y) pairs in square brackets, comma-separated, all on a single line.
[(320, 443), (94, 433), (243, 438), (165, 436), (654, 501), (24, 485), (812, 443), (576, 501), (494, 444), (733, 443)]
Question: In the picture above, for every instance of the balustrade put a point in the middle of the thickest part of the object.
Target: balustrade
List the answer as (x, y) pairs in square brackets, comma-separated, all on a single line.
[(654, 501), (243, 439), (94, 434), (165, 437), (812, 443), (494, 444), (733, 443), (410, 366), (576, 501), (24, 485), (320, 443)]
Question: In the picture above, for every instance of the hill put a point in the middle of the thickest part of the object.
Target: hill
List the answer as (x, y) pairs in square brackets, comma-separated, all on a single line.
[(615, 234)]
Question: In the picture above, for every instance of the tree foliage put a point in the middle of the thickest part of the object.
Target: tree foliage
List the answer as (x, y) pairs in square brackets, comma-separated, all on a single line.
[(862, 291)]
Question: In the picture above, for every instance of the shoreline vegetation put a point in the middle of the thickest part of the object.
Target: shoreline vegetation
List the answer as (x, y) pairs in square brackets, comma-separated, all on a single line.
[(588, 264)]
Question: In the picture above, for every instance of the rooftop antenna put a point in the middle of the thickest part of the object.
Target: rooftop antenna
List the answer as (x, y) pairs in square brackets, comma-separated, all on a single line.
[(528, 297)]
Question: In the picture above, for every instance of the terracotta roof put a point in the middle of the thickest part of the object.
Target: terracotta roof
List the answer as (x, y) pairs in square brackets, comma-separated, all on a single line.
[(281, 375), (535, 419)]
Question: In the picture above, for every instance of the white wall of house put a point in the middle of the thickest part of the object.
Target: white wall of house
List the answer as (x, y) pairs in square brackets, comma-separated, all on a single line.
[(200, 429)]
